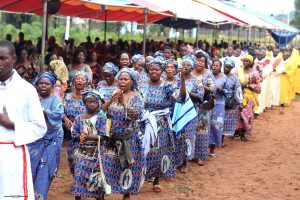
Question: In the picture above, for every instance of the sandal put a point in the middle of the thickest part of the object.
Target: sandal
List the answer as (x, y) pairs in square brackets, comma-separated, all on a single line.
[(183, 170), (126, 197), (157, 188), (201, 162), (213, 155)]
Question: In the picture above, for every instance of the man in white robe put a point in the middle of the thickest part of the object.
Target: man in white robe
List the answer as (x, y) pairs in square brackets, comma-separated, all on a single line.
[(277, 65), (263, 65), (21, 122)]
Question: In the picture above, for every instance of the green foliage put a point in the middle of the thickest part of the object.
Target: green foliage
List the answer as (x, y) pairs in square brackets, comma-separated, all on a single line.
[(296, 20)]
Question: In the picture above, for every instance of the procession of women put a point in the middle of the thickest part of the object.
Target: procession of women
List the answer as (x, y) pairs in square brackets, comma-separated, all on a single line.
[(137, 119)]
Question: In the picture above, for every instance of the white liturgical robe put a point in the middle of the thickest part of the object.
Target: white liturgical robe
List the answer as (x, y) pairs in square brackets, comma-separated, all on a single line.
[(24, 109)]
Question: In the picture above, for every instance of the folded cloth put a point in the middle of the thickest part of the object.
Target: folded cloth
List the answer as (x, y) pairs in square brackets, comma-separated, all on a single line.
[(122, 146), (182, 115), (151, 129)]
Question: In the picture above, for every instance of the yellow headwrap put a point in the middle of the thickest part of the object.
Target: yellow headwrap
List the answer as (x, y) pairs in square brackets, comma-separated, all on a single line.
[(60, 70), (248, 56)]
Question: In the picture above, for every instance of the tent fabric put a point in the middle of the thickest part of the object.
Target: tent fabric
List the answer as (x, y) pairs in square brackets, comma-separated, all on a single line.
[(282, 38), (90, 10), (190, 10), (269, 19), (251, 20), (189, 24)]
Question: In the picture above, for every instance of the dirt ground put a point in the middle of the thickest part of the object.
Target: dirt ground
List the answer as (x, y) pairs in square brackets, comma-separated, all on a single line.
[(266, 167)]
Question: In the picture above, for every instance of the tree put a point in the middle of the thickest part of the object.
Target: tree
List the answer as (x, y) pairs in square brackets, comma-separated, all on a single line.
[(296, 20)]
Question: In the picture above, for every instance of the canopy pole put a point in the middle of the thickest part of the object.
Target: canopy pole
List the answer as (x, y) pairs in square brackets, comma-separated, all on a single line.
[(286, 39), (259, 36), (249, 34), (238, 36), (145, 30), (230, 34), (265, 38), (89, 24), (270, 37), (197, 33), (175, 35), (105, 24), (68, 24), (44, 29), (279, 39)]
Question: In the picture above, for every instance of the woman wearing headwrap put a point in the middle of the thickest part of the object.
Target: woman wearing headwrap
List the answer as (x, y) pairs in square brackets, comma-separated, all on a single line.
[(159, 96), (74, 106), (234, 97), (171, 71), (125, 168), (185, 142), (109, 84), (45, 152), (87, 128), (249, 79), (218, 112), (138, 64), (204, 116)]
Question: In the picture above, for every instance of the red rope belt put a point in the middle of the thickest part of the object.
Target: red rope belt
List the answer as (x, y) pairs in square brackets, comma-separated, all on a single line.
[(25, 189)]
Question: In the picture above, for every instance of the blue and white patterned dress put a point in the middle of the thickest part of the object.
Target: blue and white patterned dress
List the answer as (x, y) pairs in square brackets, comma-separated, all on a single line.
[(73, 108), (231, 115), (107, 90), (160, 159), (185, 144), (87, 161), (125, 180), (143, 78), (45, 152), (203, 125), (218, 114)]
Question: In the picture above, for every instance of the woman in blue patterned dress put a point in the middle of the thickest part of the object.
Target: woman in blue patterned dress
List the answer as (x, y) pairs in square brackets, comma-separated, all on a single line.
[(138, 64), (204, 115), (74, 106), (185, 144), (218, 112), (159, 96), (123, 159), (235, 94), (109, 84), (87, 128), (45, 152)]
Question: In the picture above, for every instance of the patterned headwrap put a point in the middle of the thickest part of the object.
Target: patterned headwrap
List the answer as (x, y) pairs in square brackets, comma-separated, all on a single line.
[(133, 75), (229, 61), (92, 93), (111, 68), (48, 75), (173, 62), (159, 55), (60, 70), (136, 58), (189, 58), (248, 56), (158, 62), (80, 73)]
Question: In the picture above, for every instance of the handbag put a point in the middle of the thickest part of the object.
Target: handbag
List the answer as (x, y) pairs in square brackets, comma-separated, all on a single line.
[(208, 101), (97, 179), (230, 102)]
